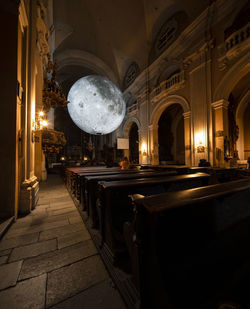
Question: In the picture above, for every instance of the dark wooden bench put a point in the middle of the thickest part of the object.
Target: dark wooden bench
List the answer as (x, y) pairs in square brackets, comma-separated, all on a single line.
[(190, 249), (91, 187), (82, 181), (114, 207), (80, 177), (73, 175)]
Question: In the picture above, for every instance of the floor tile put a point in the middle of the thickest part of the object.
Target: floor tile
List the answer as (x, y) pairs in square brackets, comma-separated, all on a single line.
[(3, 259), (33, 250), (9, 274), (26, 294), (76, 219), (108, 298), (36, 228), (18, 241), (73, 238), (38, 265), (61, 231), (69, 280), (5, 252)]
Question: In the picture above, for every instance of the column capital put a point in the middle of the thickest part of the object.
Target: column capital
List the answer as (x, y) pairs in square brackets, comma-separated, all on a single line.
[(220, 104), (153, 127), (187, 115)]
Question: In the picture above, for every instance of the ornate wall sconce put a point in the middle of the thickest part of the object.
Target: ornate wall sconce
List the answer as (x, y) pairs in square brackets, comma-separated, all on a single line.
[(199, 142), (40, 123), (144, 149), (200, 149)]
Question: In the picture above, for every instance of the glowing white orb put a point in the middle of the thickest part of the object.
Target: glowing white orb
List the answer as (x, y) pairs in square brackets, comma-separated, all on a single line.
[(96, 105)]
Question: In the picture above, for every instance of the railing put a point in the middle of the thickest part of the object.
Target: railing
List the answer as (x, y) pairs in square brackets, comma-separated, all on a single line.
[(173, 82), (132, 108), (238, 37)]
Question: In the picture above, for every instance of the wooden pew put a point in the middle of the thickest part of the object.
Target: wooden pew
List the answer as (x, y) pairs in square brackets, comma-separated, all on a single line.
[(82, 181), (73, 172), (79, 179), (190, 249), (91, 187), (114, 207)]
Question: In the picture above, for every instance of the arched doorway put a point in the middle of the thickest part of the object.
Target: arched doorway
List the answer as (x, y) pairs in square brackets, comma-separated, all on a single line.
[(171, 136), (238, 120), (242, 121), (134, 144), (246, 126)]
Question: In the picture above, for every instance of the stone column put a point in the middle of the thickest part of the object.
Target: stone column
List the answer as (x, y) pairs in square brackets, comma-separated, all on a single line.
[(29, 186), (187, 137), (9, 11), (220, 131), (154, 146), (143, 159)]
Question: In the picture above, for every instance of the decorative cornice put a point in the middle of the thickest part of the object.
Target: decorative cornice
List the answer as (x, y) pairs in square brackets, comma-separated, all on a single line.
[(220, 104), (187, 115)]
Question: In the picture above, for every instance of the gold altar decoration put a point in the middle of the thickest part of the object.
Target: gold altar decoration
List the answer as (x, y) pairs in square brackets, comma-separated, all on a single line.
[(52, 92), (52, 141)]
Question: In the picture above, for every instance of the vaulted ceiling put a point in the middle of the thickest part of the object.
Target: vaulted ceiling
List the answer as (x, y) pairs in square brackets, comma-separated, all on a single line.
[(106, 37)]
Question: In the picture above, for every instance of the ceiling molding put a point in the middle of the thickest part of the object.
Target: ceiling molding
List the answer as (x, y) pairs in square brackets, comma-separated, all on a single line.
[(84, 59)]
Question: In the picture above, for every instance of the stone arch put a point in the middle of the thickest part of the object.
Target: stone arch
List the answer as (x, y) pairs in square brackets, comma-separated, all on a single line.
[(127, 125), (162, 105), (230, 79), (166, 102), (240, 122), (84, 59), (126, 130)]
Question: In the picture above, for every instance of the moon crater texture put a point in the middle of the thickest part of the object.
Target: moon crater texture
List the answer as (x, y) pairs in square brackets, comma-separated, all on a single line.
[(96, 105)]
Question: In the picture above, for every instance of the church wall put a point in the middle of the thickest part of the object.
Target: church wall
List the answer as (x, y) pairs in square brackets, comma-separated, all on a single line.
[(21, 94), (208, 72)]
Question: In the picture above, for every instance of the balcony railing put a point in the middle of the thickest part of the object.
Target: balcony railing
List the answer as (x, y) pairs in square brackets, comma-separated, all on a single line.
[(174, 82), (132, 108), (238, 37)]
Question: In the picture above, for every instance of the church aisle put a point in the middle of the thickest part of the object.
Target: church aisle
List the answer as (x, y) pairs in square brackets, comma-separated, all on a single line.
[(48, 260)]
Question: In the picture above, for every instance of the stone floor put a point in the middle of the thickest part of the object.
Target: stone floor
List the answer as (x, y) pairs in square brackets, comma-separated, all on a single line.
[(48, 260)]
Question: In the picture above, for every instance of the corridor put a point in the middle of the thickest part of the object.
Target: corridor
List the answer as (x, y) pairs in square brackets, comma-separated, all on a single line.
[(48, 260)]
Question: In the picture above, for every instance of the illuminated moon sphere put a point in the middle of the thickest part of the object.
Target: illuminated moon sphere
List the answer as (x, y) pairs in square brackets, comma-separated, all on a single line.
[(96, 105)]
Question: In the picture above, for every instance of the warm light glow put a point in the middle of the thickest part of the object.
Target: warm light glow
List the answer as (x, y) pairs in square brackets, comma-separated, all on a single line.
[(199, 139), (144, 149), (85, 158), (200, 142), (41, 113), (33, 114), (44, 123)]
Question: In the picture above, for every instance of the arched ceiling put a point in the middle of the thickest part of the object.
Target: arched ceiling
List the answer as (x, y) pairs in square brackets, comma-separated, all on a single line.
[(114, 32)]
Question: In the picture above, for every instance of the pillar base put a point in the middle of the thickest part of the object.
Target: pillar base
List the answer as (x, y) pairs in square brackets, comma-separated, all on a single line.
[(28, 195)]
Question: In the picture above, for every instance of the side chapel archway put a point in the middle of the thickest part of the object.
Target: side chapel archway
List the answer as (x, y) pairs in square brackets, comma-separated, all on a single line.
[(180, 125), (171, 136), (131, 130), (134, 144), (243, 123)]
